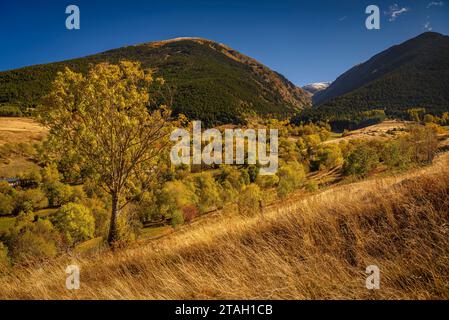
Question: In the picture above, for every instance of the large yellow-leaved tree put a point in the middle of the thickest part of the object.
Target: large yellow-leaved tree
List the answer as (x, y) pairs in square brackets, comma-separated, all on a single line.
[(104, 118)]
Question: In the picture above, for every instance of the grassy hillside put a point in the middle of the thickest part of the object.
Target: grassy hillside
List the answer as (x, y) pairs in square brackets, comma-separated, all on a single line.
[(210, 81), (313, 248)]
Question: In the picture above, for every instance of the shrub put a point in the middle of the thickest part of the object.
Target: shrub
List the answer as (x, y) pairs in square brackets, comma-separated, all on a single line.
[(361, 161), (33, 176), (424, 141), (253, 172), (207, 191), (173, 196), (232, 175), (128, 225), (398, 154), (250, 200), (189, 212), (330, 156), (311, 186), (10, 111), (75, 222), (177, 218), (268, 181), (101, 215), (4, 260), (58, 193)]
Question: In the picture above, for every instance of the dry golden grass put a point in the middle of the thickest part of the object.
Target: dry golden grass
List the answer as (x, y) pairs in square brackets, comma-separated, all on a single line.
[(15, 130), (316, 247)]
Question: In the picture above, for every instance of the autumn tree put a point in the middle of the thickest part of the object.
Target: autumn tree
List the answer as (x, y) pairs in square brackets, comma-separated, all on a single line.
[(104, 116)]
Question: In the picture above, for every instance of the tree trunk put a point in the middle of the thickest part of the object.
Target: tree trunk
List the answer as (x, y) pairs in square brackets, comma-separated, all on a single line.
[(113, 231)]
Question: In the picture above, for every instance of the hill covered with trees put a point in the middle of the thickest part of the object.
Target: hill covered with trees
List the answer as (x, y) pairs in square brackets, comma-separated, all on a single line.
[(412, 74), (209, 81)]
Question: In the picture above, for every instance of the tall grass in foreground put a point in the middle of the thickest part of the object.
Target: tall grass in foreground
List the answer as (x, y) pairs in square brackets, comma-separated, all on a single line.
[(315, 248)]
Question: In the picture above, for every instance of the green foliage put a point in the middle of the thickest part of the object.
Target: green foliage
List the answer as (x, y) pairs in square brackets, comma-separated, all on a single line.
[(291, 178), (177, 218), (250, 200), (33, 176), (30, 200), (327, 157), (311, 186), (75, 222), (232, 175), (415, 114), (173, 197), (101, 214), (6, 204), (10, 111), (253, 172), (362, 160), (344, 118), (402, 77), (268, 181), (57, 193), (208, 84)]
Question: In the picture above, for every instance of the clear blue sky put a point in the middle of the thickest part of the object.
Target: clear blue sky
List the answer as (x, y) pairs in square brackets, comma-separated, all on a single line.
[(307, 41)]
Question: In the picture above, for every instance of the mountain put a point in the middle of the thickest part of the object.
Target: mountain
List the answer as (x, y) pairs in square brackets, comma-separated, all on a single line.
[(211, 82), (313, 88), (412, 74)]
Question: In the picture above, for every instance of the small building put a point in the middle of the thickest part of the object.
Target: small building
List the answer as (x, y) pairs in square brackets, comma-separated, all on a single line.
[(13, 182)]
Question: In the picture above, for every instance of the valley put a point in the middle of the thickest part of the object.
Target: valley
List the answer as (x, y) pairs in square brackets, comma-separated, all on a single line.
[(106, 166)]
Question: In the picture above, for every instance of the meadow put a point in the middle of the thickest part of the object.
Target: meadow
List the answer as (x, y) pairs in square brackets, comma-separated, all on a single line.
[(314, 247)]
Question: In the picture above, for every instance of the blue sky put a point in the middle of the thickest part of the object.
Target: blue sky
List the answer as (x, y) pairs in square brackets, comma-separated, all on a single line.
[(307, 41)]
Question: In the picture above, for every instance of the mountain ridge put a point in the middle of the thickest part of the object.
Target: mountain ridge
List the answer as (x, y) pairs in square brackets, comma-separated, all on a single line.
[(378, 66), (212, 82)]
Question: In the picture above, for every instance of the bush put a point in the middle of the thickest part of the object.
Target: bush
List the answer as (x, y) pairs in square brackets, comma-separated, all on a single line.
[(250, 200), (30, 200), (227, 193), (312, 186), (424, 141), (269, 181), (10, 111), (330, 156), (207, 191), (101, 215), (177, 218), (75, 222), (58, 193), (33, 176), (6, 204), (33, 241), (232, 175), (253, 172), (4, 260), (361, 161), (173, 197), (6, 189), (189, 212), (291, 177)]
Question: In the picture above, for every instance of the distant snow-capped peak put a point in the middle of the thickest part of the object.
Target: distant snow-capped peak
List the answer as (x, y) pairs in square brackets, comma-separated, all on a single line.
[(316, 87)]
